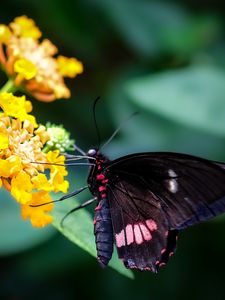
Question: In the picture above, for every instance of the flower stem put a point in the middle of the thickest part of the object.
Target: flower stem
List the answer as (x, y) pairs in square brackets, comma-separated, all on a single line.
[(46, 149), (8, 86)]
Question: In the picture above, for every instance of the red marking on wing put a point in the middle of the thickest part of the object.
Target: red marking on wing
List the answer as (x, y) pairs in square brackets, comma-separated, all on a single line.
[(102, 188), (147, 269), (120, 239), (145, 232), (100, 177), (163, 250), (137, 234), (162, 264), (151, 224), (129, 234)]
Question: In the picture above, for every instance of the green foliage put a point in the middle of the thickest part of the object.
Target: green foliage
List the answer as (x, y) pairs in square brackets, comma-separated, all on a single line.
[(17, 235), (193, 96), (142, 25), (78, 228)]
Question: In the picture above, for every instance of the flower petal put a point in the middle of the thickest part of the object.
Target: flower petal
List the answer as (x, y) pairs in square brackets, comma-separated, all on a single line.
[(25, 68), (21, 188), (69, 67), (5, 34), (24, 27), (38, 215)]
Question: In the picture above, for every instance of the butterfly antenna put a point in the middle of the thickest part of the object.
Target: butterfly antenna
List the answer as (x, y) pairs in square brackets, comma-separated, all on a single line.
[(95, 121), (118, 129)]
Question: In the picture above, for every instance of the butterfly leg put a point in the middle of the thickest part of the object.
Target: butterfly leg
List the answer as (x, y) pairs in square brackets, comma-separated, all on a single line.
[(67, 196), (77, 208)]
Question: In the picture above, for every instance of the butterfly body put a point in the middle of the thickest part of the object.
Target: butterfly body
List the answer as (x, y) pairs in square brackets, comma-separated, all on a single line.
[(145, 199), (97, 181)]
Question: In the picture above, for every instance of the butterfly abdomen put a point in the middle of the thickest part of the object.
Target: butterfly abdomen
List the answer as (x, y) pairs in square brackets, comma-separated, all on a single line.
[(103, 232)]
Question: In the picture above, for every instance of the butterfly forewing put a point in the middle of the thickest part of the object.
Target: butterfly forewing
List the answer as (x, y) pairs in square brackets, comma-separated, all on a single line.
[(188, 189)]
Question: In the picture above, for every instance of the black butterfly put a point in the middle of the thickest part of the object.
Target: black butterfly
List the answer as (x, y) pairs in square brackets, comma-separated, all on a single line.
[(145, 199)]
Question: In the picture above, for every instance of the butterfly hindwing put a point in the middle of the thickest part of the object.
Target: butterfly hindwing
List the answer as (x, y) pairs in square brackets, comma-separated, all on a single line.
[(141, 232)]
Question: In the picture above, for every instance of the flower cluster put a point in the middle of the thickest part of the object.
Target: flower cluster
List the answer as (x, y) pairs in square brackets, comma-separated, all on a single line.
[(32, 64), (23, 163), (31, 166)]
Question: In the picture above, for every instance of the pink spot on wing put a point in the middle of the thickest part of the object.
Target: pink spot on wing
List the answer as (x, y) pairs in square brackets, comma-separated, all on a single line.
[(129, 234), (162, 264), (100, 177), (171, 254), (145, 232), (94, 221), (151, 224), (105, 181), (102, 188), (103, 195), (137, 234), (99, 167), (120, 239), (163, 250)]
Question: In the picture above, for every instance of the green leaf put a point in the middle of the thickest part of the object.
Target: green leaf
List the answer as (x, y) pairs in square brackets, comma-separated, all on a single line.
[(78, 228), (193, 96), (152, 27), (17, 235)]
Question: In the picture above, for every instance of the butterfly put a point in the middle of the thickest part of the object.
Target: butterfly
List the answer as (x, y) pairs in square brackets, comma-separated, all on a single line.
[(145, 199)]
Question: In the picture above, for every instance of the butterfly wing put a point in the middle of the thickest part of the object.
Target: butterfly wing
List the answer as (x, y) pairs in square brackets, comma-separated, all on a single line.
[(153, 195)]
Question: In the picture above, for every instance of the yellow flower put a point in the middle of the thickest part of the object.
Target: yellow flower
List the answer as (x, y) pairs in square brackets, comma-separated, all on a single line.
[(39, 216), (33, 62), (25, 68), (10, 166), (21, 188), (41, 182), (57, 173), (16, 107), (5, 34), (69, 67), (25, 27), (23, 165), (4, 139), (42, 133)]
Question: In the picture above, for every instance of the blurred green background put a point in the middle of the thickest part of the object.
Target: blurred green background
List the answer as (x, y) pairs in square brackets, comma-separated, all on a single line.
[(165, 59)]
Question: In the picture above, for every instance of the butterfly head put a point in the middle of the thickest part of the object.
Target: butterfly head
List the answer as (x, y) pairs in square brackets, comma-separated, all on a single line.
[(97, 155), (92, 152)]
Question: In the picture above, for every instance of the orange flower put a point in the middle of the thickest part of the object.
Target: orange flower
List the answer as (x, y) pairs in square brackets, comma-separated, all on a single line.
[(32, 63)]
